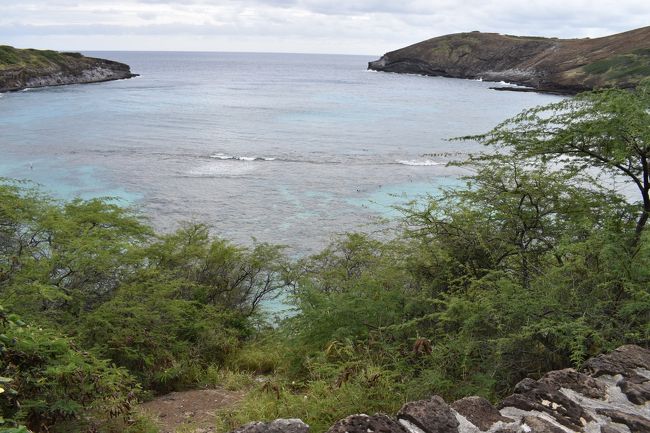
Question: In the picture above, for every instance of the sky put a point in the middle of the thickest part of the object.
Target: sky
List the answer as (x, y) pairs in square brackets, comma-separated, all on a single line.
[(369, 27)]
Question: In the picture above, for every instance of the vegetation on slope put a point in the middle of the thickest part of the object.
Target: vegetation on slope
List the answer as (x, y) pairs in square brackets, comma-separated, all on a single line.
[(163, 310), (11, 57), (537, 264), (48, 381), (632, 65)]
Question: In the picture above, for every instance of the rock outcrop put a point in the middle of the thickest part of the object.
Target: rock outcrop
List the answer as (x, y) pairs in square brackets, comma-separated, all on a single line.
[(21, 69), (429, 416), (610, 395), (277, 426), (553, 65)]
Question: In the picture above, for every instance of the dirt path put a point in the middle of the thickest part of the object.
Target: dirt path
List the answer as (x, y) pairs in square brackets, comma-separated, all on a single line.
[(190, 411)]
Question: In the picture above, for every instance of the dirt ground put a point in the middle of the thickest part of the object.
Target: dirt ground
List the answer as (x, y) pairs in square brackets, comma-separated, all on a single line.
[(190, 411)]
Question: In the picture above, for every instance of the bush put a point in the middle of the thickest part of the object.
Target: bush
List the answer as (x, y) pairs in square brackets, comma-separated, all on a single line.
[(166, 342), (320, 404), (54, 386)]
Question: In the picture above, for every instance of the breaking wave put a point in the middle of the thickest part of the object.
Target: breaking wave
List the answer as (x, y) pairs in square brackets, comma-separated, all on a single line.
[(418, 162), (224, 157)]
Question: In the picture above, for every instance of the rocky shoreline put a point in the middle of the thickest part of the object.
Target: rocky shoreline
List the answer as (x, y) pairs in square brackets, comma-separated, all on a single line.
[(549, 65), (61, 69), (611, 394)]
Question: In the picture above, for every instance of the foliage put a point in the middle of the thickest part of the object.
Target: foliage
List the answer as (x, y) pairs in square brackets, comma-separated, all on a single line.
[(160, 337), (264, 354), (608, 131), (50, 385), (169, 309), (320, 405), (11, 57), (634, 64), (61, 259), (218, 272)]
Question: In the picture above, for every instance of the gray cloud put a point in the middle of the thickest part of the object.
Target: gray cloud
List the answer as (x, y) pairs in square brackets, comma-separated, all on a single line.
[(349, 26)]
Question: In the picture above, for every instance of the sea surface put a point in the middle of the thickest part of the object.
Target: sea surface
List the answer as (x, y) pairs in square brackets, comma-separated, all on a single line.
[(284, 148)]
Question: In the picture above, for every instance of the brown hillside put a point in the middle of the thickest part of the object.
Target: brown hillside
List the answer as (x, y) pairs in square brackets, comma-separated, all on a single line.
[(546, 64)]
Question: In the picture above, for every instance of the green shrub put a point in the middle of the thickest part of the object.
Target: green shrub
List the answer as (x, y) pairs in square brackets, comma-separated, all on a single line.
[(8, 56), (261, 356), (54, 386), (162, 339), (320, 404), (622, 66)]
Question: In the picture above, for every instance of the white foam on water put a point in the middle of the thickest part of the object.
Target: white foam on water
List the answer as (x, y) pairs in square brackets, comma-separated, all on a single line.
[(225, 157), (222, 156), (418, 162), (220, 169)]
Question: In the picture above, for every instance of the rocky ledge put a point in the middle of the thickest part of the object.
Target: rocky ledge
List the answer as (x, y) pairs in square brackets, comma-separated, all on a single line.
[(21, 69), (564, 66), (610, 395)]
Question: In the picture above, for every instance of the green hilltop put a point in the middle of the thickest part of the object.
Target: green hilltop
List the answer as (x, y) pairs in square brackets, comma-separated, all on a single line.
[(23, 68), (11, 57)]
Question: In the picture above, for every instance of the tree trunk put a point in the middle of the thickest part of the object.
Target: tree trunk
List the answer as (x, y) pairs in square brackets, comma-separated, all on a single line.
[(645, 193)]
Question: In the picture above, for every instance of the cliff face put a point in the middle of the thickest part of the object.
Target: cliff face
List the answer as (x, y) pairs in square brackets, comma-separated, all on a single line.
[(20, 69), (545, 64), (610, 395)]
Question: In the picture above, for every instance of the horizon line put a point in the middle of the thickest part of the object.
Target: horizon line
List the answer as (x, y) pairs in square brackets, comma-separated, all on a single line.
[(194, 51)]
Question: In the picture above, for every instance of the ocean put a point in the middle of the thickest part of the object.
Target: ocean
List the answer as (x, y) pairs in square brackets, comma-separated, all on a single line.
[(283, 148)]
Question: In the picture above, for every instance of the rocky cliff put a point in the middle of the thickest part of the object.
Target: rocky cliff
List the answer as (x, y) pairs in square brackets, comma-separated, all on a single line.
[(20, 69), (544, 64), (610, 395)]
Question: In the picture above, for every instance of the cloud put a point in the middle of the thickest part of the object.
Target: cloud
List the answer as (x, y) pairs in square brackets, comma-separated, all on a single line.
[(348, 26)]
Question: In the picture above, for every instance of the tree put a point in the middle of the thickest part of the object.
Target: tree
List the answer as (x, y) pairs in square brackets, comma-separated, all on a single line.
[(608, 131), (218, 272), (512, 216)]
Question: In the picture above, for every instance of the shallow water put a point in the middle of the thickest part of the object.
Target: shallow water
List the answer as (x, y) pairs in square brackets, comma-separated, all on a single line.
[(285, 148)]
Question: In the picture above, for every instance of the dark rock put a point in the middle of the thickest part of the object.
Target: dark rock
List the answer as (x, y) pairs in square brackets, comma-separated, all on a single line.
[(277, 426), (636, 423), (525, 385), (377, 423), (539, 425), (576, 381), (479, 412), (636, 388), (432, 416), (609, 429), (546, 397), (623, 360), (533, 424)]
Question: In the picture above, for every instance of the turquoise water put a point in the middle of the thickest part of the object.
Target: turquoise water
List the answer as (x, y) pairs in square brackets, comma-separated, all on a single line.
[(53, 177), (289, 149), (386, 201)]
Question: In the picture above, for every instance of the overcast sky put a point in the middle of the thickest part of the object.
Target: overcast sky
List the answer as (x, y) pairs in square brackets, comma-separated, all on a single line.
[(309, 26)]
